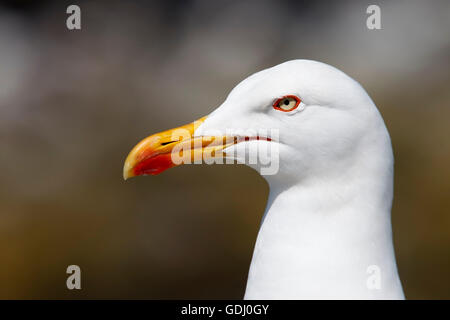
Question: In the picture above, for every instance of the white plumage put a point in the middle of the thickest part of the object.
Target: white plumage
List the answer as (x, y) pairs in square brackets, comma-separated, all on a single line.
[(326, 232), (328, 218)]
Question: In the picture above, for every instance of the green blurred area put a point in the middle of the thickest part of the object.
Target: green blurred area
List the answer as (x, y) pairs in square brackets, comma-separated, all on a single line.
[(74, 103)]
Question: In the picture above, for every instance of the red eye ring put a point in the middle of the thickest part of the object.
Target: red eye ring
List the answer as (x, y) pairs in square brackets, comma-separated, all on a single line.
[(276, 104)]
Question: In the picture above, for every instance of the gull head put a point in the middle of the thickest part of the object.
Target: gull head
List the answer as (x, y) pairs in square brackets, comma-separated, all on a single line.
[(310, 118)]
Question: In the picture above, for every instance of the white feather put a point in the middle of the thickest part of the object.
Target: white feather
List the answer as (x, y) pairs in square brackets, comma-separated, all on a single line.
[(328, 216)]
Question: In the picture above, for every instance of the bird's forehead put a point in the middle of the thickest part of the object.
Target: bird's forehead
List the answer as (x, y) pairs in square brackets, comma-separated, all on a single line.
[(266, 84), (314, 82)]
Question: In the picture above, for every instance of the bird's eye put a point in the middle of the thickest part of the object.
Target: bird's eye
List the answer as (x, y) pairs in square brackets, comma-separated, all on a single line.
[(287, 103)]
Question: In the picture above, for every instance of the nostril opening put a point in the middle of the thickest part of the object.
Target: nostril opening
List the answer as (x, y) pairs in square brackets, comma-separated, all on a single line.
[(166, 143)]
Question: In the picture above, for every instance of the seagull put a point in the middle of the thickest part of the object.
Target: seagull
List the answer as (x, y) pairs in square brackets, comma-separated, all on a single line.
[(326, 231)]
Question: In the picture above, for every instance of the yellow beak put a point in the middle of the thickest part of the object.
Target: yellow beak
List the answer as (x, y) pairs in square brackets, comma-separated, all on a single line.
[(164, 150)]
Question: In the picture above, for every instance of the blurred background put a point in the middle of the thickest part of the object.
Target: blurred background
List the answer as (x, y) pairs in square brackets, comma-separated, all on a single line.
[(73, 104)]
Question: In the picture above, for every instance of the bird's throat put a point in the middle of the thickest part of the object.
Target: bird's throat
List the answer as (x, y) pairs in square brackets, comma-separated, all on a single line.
[(315, 245)]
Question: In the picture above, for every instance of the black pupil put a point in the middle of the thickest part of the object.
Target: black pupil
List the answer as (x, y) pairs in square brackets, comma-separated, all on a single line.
[(286, 102)]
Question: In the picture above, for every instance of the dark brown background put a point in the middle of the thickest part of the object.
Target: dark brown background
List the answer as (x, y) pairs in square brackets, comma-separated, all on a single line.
[(73, 103)]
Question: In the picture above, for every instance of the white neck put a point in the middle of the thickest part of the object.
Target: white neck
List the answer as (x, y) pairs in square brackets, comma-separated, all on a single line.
[(327, 240)]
